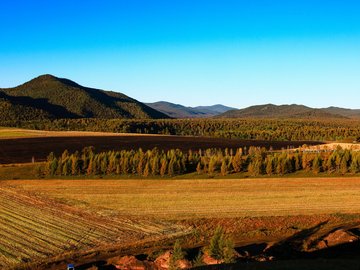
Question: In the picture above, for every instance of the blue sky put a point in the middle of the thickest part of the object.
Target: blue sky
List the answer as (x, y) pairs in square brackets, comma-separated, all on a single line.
[(193, 52)]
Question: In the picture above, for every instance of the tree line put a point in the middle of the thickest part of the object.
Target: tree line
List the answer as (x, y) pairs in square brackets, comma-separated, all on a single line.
[(254, 161), (256, 129)]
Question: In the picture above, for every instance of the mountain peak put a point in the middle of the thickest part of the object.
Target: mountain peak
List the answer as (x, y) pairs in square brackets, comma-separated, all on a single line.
[(49, 79), (62, 98)]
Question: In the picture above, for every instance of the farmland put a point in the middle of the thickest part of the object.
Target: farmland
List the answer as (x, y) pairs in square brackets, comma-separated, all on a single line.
[(38, 145), (35, 228), (41, 219), (184, 199)]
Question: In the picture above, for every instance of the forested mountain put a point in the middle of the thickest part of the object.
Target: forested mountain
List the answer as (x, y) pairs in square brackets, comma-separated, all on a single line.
[(282, 111), (49, 97), (180, 111)]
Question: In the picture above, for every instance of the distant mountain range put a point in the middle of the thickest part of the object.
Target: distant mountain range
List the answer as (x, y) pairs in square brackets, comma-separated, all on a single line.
[(290, 111), (180, 111), (49, 97)]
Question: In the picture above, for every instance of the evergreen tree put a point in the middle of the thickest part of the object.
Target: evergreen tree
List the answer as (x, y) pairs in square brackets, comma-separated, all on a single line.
[(237, 161), (317, 165), (343, 166), (224, 168), (53, 166), (177, 255), (269, 165), (146, 170), (198, 168), (163, 167)]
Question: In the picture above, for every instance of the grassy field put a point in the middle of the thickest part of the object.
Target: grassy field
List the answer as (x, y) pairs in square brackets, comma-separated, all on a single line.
[(44, 218), (182, 199), (35, 228)]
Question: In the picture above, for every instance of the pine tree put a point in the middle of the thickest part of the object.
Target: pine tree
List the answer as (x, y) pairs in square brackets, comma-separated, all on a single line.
[(66, 167), (224, 168), (177, 255), (53, 166), (198, 260), (355, 163), (163, 167), (198, 168), (171, 167), (237, 161), (155, 165), (269, 165), (343, 166), (146, 170), (317, 165)]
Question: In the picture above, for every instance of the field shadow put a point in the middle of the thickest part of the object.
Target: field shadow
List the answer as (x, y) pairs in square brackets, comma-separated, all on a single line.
[(293, 247)]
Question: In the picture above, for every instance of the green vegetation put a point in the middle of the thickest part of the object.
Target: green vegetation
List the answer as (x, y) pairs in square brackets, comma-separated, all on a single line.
[(177, 255), (255, 129), (221, 247), (288, 111), (48, 97), (255, 161)]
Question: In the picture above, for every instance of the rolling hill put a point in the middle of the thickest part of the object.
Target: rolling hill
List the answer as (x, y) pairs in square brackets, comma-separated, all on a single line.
[(180, 111), (49, 97), (344, 112), (281, 111)]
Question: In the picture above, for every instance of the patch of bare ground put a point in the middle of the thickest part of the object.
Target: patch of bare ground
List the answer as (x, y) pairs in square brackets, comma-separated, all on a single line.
[(24, 149), (333, 146)]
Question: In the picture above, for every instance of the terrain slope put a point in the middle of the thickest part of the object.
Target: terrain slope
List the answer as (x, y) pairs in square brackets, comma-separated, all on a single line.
[(180, 111), (282, 111), (49, 97)]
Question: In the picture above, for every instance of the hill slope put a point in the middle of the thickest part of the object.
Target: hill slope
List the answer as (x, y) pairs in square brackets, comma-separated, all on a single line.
[(51, 97), (344, 112), (282, 111), (180, 111)]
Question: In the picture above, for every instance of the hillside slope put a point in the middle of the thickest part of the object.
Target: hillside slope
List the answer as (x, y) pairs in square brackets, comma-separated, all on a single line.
[(344, 112), (50, 97), (282, 111), (180, 111)]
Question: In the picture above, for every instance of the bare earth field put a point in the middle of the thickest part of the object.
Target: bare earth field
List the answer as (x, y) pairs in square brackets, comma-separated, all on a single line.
[(19, 146), (51, 219)]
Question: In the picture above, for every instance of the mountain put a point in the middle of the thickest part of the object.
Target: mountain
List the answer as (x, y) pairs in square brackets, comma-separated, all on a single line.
[(282, 111), (49, 97), (344, 112), (180, 111)]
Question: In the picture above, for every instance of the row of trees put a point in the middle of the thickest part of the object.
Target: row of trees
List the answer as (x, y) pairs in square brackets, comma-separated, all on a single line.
[(255, 161), (261, 129)]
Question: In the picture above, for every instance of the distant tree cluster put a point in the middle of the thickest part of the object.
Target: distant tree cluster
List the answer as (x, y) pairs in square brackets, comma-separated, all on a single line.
[(254, 161), (256, 129)]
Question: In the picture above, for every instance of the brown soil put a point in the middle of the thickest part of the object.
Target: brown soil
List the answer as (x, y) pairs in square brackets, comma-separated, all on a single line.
[(21, 150)]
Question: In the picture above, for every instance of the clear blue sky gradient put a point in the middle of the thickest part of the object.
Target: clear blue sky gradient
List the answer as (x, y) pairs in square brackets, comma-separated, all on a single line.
[(193, 52)]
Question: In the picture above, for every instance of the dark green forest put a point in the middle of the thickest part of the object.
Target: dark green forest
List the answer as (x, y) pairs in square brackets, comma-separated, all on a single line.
[(256, 129), (255, 161)]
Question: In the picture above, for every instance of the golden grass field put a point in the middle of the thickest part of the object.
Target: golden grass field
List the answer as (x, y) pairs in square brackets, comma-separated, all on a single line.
[(10, 133), (44, 218), (34, 227), (181, 199)]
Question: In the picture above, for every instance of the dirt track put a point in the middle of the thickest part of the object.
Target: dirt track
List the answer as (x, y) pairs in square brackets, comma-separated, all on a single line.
[(21, 150)]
